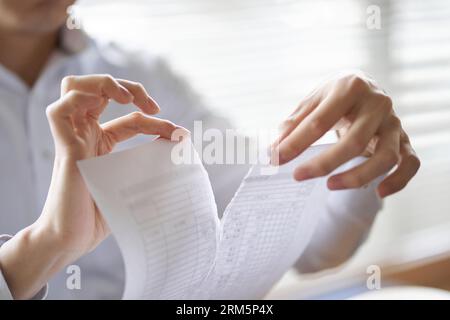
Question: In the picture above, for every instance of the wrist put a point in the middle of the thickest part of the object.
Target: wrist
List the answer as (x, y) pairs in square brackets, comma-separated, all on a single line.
[(60, 222), (65, 161), (27, 261), (68, 156)]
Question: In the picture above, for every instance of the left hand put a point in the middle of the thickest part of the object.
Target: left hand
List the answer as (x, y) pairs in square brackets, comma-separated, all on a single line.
[(71, 225), (367, 125), (70, 215)]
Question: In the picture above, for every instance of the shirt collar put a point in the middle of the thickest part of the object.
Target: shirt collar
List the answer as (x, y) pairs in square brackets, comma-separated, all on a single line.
[(71, 42)]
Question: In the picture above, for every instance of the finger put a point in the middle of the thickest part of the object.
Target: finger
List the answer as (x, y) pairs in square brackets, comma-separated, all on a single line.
[(305, 107), (101, 85), (407, 168), (128, 126), (351, 145), (60, 113), (141, 98), (314, 126), (385, 157)]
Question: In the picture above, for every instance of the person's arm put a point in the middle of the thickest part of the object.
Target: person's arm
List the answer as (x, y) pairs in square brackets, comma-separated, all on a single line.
[(5, 293), (29, 251), (70, 224), (343, 226), (367, 124)]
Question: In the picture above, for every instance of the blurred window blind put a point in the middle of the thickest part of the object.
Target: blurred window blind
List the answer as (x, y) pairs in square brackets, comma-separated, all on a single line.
[(417, 67), (253, 60)]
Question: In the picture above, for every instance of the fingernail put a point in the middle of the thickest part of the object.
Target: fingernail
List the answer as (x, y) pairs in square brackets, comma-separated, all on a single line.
[(382, 192), (151, 101), (302, 174), (274, 144), (185, 131), (180, 133), (125, 92), (335, 183), (275, 159)]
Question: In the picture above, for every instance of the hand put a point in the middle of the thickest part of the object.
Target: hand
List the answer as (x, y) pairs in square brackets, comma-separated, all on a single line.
[(71, 224), (367, 125), (70, 212)]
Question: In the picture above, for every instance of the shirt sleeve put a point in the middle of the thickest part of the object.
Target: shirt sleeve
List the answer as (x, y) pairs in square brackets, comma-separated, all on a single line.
[(5, 293), (343, 226)]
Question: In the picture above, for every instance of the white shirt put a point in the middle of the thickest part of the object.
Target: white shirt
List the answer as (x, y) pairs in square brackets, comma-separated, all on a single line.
[(26, 159)]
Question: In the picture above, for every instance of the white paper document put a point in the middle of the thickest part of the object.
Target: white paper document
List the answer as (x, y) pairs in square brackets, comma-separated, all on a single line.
[(165, 220)]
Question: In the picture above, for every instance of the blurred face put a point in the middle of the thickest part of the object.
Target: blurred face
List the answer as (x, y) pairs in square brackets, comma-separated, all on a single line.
[(33, 16)]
